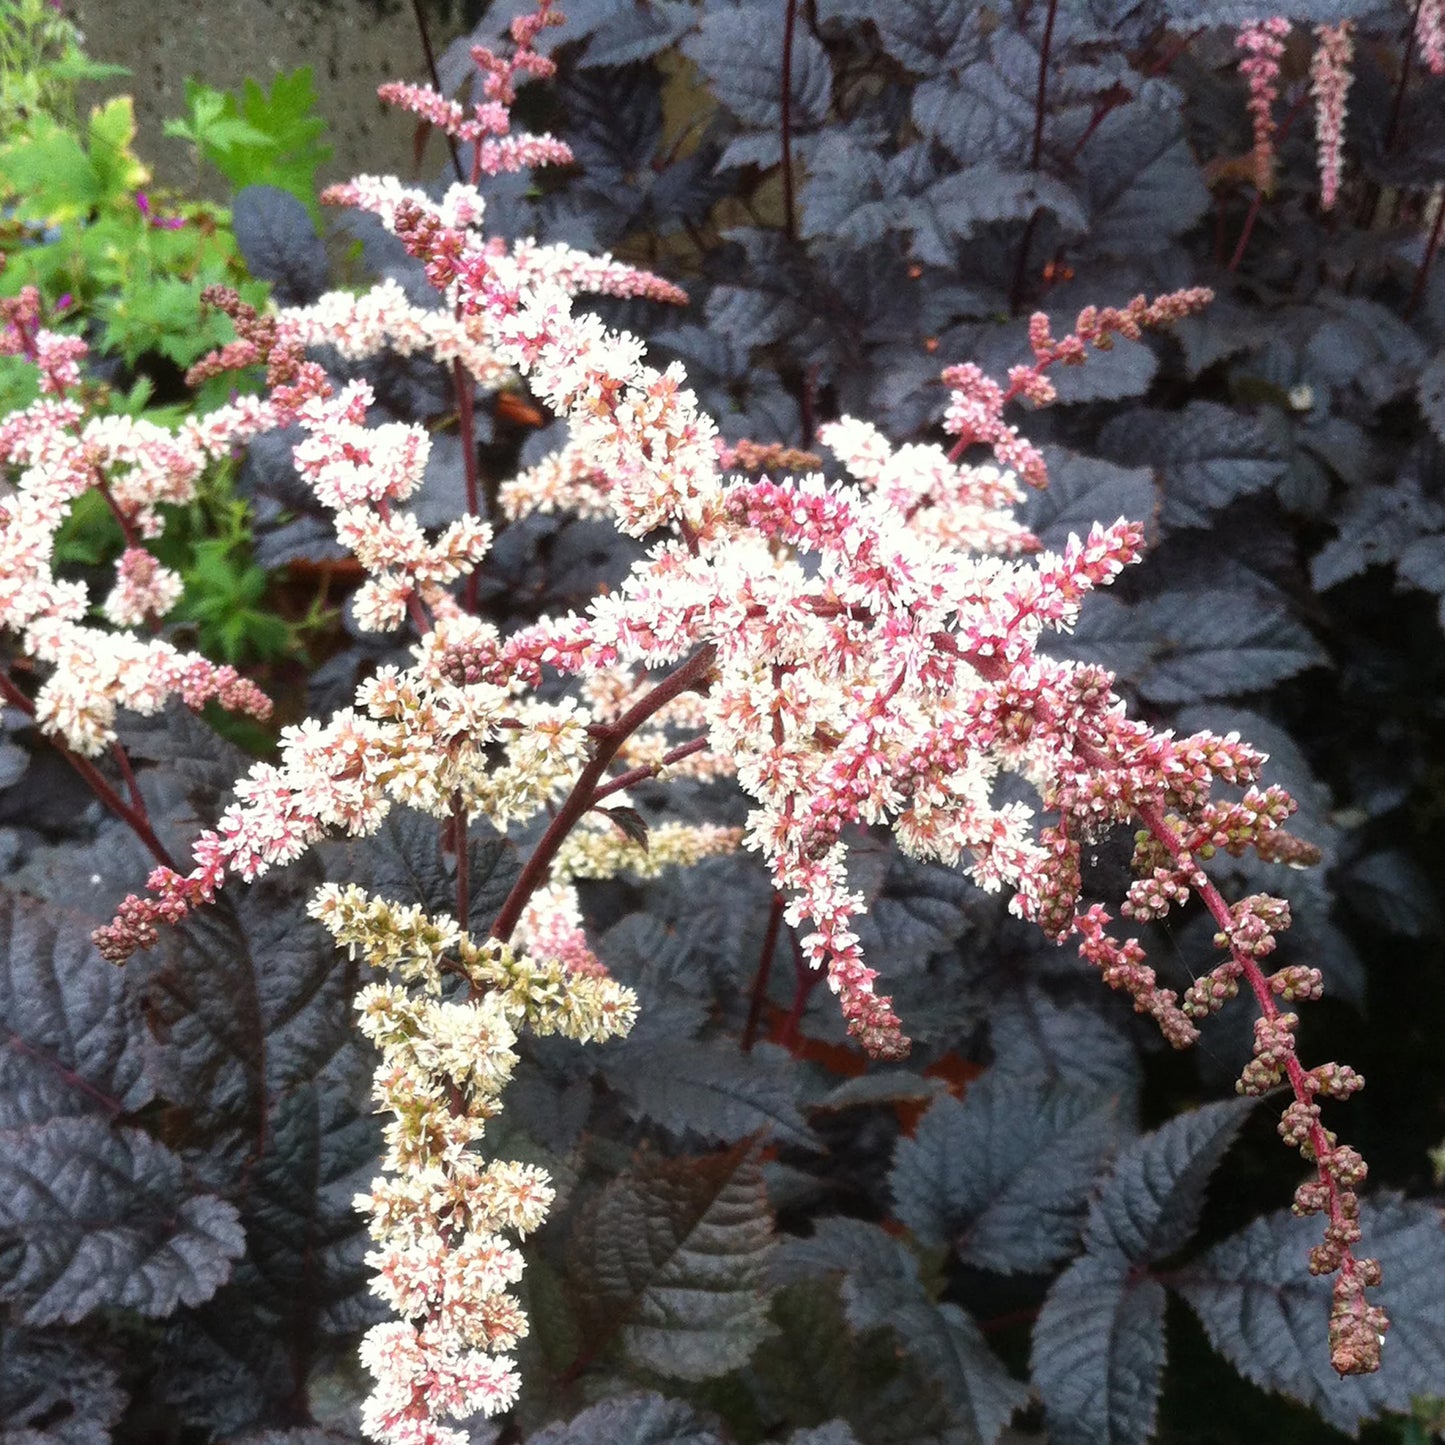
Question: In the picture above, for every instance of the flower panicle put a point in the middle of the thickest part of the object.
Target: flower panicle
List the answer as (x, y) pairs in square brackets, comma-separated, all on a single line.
[(1330, 77), (441, 1214), (977, 401), (1262, 44)]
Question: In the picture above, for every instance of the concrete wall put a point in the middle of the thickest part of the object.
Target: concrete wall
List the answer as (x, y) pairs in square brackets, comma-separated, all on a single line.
[(350, 45)]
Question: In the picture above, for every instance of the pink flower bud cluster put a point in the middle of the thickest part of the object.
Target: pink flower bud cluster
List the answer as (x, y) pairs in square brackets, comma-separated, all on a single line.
[(1262, 45), (976, 405), (487, 128), (56, 357), (1247, 932), (1430, 33), (1330, 77)]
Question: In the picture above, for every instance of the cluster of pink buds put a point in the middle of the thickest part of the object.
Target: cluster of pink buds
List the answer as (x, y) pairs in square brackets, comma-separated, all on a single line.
[(1430, 33), (487, 128), (1330, 77), (977, 402), (1262, 44)]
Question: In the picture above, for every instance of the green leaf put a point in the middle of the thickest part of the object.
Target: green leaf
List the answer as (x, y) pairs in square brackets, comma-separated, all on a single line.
[(260, 137), (49, 173), (117, 170), (673, 1255)]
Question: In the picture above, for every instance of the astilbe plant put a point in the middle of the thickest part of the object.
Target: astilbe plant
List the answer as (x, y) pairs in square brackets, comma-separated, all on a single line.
[(856, 653)]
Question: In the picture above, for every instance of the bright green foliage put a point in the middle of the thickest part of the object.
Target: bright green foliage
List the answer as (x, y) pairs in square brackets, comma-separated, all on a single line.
[(40, 63), (125, 264), (259, 139), (81, 227), (226, 596)]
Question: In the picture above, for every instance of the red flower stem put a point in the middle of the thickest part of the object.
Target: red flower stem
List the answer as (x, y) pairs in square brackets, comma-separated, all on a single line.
[(1167, 836), (122, 761), (806, 980), (644, 771), (1422, 274), (459, 841), (431, 66), (1118, 96), (133, 818), (1041, 95), (127, 527), (1250, 217), (606, 742), (763, 972), (790, 21), (1258, 201)]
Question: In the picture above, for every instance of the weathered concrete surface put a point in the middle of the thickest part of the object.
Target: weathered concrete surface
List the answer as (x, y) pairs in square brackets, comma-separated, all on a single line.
[(350, 45)]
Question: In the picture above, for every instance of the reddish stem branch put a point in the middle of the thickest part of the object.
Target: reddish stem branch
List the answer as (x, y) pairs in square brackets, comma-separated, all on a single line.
[(464, 862), (1152, 816), (122, 761), (805, 981), (761, 975), (644, 771), (134, 818), (1258, 201), (127, 527), (1036, 148), (606, 742), (431, 66), (1422, 274), (1042, 93)]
